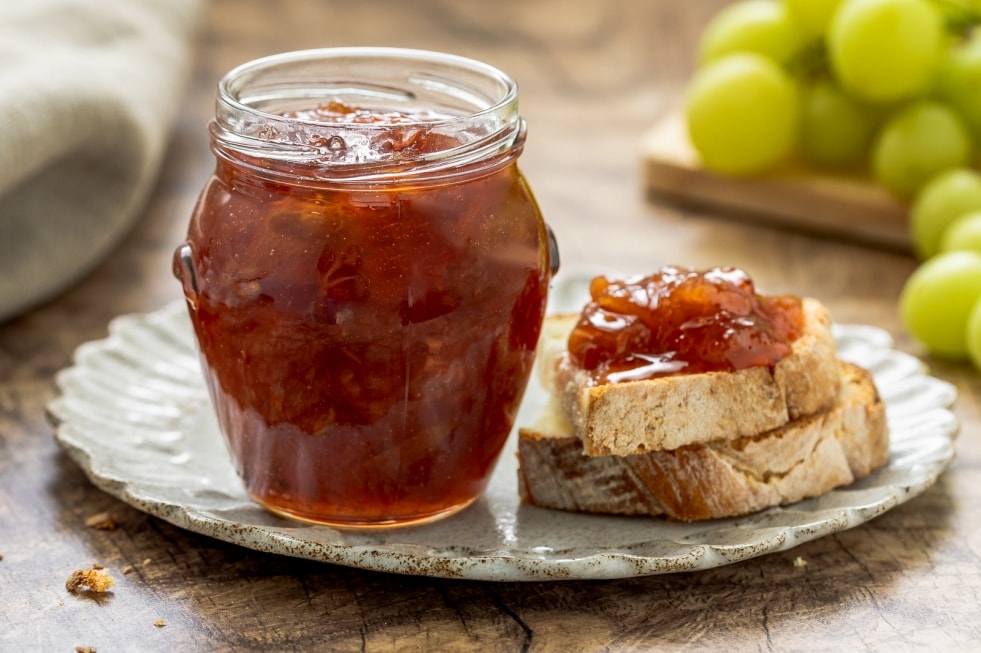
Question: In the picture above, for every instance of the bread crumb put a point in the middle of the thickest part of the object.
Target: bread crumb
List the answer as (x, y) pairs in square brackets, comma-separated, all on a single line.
[(128, 569), (800, 562), (102, 521), (85, 649), (146, 561), (159, 623), (96, 580)]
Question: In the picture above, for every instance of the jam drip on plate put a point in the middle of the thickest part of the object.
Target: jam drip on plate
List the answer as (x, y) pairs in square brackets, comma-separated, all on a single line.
[(681, 321)]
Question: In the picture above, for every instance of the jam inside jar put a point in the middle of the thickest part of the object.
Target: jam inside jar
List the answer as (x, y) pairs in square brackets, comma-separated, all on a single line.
[(366, 273)]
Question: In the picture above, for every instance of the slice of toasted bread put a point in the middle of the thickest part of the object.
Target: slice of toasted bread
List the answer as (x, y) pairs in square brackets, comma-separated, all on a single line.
[(722, 478), (669, 412)]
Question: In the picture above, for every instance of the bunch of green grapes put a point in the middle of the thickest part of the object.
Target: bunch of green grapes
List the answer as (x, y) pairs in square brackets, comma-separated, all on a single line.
[(887, 87), (941, 302)]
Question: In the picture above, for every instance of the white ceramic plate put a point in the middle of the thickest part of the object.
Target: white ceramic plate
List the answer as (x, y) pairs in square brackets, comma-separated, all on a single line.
[(133, 412)]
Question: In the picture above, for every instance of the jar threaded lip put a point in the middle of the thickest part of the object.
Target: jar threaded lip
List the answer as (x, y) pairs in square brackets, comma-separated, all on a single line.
[(471, 105)]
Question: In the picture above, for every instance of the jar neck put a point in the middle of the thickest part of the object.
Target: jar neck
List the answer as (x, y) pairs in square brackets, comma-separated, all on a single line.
[(420, 116)]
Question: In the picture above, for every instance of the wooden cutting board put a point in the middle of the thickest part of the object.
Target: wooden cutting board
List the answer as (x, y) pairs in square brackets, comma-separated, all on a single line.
[(847, 207)]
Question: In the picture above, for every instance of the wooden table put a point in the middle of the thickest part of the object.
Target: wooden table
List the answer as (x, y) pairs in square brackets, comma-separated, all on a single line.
[(594, 75)]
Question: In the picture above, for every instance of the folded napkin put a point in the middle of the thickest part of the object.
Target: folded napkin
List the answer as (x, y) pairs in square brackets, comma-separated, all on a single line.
[(88, 94)]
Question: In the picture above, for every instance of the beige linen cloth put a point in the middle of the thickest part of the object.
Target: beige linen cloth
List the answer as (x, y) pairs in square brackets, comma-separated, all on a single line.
[(88, 94)]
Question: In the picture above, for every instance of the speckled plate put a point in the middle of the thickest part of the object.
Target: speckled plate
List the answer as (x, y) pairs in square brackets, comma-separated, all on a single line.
[(133, 412)]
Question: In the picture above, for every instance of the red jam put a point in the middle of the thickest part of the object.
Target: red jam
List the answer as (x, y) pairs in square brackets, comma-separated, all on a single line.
[(410, 134), (682, 321), (367, 345)]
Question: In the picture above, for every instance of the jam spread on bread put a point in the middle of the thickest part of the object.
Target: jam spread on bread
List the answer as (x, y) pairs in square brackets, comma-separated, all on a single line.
[(681, 321)]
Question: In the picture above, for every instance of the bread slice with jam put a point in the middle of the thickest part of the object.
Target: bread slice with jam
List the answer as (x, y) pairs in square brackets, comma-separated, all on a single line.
[(722, 477), (690, 395), (671, 411)]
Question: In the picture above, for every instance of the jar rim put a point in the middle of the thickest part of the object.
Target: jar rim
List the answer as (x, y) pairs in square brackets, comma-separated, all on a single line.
[(230, 93), (473, 101)]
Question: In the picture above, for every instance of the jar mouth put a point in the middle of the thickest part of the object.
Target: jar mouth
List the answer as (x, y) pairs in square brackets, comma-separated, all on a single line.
[(467, 109)]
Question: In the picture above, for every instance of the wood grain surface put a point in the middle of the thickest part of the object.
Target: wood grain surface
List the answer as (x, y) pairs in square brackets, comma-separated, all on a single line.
[(848, 206), (594, 74)]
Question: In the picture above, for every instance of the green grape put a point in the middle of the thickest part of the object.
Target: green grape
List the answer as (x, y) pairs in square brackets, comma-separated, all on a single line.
[(937, 300), (813, 16), (958, 15), (761, 26), (742, 114), (958, 80), (885, 50), (918, 142), (836, 130), (974, 335), (964, 233), (942, 200)]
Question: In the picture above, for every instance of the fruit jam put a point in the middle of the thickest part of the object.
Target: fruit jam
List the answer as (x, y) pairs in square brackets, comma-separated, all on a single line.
[(366, 343), (681, 321)]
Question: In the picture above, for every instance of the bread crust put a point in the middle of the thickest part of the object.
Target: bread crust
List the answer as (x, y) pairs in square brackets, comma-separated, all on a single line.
[(721, 478), (670, 412)]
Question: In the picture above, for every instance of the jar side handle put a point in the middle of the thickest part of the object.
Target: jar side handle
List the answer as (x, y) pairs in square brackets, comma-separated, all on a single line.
[(554, 262), (184, 271)]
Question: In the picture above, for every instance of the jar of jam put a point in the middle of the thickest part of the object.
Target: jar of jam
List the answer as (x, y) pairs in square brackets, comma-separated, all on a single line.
[(366, 272)]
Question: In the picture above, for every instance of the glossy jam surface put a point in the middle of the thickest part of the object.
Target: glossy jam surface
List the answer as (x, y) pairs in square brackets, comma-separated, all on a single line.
[(367, 346), (411, 134), (681, 321)]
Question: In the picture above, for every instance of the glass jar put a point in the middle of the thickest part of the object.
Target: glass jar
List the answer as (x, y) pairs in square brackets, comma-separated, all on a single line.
[(366, 272)]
